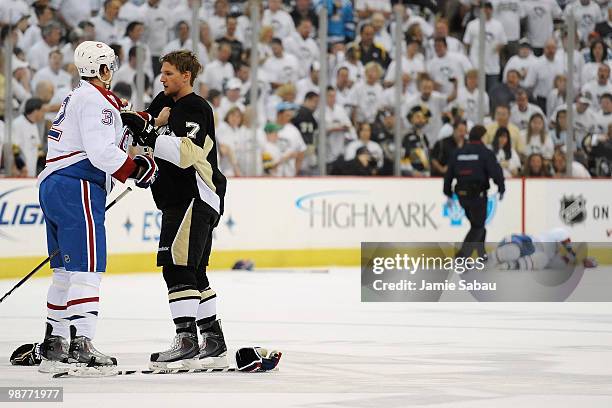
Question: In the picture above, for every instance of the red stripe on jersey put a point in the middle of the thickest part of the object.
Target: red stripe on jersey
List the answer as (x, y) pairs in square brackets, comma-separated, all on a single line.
[(55, 307), (83, 300), (111, 97), (91, 250), (126, 169), (65, 156)]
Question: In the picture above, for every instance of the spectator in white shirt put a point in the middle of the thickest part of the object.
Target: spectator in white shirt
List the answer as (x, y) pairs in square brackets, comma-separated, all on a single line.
[(509, 13), (220, 70), (540, 15), (278, 18), (343, 89), (441, 30), (540, 78), (133, 37), (32, 35), (233, 140), (108, 28), (156, 19), (366, 8), (367, 96), (557, 96), (38, 55), (381, 35), (308, 84), (353, 64), (218, 21), (183, 42), (536, 137), (281, 67), (26, 136), (72, 12), (467, 97), (53, 72), (446, 67), (604, 118), (587, 14), (21, 80), (232, 98), (559, 166), (522, 62), (290, 141), (127, 72), (300, 44), (495, 41), (338, 126), (434, 102), (598, 55), (522, 111), (593, 90), (413, 64), (364, 135)]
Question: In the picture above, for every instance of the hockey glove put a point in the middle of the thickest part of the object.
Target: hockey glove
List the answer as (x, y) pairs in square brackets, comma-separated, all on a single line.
[(146, 172), (142, 126), (256, 359), (26, 355)]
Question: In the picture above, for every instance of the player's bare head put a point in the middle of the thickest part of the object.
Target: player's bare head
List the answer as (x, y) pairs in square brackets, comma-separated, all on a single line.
[(477, 132), (179, 71)]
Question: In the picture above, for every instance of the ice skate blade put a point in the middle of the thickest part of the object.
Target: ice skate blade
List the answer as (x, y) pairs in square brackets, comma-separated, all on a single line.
[(84, 371), (166, 365), (207, 362)]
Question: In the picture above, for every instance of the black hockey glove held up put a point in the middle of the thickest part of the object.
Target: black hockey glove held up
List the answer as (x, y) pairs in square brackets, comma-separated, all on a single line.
[(142, 126)]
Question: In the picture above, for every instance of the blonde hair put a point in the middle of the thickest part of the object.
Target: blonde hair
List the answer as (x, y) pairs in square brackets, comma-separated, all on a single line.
[(374, 65)]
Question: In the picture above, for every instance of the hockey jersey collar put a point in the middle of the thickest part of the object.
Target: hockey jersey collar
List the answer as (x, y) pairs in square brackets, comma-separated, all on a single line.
[(111, 97)]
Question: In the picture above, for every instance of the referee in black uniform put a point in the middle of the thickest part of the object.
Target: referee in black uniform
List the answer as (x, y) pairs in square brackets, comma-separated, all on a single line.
[(473, 165)]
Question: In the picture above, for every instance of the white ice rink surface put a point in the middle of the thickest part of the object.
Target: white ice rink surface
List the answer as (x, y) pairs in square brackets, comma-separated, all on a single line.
[(338, 352)]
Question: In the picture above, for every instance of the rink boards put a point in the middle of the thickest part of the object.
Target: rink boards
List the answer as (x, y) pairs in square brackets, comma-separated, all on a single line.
[(314, 221)]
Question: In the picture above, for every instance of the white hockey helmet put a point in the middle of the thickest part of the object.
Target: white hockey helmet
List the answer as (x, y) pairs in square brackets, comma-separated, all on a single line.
[(90, 55)]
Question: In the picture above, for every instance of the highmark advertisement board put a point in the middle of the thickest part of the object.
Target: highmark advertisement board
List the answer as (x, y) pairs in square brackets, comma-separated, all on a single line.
[(276, 222)]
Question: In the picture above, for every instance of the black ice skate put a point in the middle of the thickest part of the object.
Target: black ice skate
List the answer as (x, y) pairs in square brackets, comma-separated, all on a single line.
[(54, 353), (213, 349), (184, 348), (83, 351)]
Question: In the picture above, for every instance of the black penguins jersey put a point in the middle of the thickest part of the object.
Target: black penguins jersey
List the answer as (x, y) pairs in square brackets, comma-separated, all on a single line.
[(186, 154)]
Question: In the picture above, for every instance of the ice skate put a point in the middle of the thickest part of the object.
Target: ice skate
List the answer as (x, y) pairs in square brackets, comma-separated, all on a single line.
[(54, 353), (212, 353), (89, 361), (184, 347)]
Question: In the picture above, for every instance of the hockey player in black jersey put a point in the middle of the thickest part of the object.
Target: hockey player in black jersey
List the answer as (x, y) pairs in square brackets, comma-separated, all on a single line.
[(189, 191)]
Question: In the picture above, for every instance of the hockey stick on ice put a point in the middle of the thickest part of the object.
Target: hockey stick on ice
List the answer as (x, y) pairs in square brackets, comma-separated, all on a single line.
[(54, 253), (75, 373)]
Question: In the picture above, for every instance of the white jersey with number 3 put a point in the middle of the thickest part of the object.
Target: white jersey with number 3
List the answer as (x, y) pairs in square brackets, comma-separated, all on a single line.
[(88, 126)]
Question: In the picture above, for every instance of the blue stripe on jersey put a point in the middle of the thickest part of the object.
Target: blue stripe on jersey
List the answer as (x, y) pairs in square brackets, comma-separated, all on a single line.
[(84, 170)]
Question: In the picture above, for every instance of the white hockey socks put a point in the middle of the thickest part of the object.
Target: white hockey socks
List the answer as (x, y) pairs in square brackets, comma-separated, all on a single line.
[(56, 303), (83, 302), (184, 300), (207, 309)]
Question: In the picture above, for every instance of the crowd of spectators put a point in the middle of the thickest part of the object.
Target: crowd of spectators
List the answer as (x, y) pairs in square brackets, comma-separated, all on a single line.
[(525, 67)]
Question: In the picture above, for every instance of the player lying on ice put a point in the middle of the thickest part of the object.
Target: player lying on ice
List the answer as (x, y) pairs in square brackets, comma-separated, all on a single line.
[(535, 252)]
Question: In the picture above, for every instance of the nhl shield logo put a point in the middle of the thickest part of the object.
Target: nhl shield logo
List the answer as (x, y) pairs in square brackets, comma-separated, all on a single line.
[(573, 209)]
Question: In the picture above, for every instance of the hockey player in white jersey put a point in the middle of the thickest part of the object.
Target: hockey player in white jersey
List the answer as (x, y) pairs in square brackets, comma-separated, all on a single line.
[(550, 249), (86, 150)]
